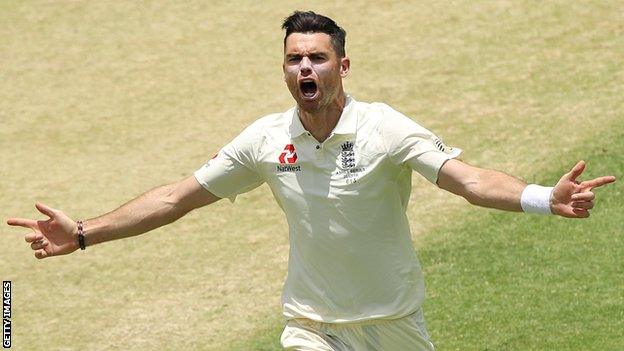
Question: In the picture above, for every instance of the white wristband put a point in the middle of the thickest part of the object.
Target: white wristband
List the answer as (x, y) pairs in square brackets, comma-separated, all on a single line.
[(536, 199)]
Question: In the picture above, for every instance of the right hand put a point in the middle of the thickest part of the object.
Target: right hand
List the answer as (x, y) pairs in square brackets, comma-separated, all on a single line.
[(52, 237)]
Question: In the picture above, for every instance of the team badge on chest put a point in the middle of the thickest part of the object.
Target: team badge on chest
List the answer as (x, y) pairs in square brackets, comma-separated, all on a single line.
[(347, 155), (347, 171)]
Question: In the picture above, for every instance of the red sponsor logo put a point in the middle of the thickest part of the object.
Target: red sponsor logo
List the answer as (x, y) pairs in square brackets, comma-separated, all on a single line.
[(288, 155)]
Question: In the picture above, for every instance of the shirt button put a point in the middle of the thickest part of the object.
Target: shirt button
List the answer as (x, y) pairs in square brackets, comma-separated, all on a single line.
[(318, 147)]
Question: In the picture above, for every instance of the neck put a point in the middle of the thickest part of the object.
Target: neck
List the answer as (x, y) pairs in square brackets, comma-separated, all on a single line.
[(321, 122)]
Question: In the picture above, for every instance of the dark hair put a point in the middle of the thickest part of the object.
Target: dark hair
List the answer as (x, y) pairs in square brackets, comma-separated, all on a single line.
[(310, 22)]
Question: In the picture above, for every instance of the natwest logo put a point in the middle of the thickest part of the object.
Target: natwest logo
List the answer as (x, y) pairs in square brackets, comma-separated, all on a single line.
[(288, 155)]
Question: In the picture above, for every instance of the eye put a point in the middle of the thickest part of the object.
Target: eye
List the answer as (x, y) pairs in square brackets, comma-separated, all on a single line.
[(293, 58), (318, 57)]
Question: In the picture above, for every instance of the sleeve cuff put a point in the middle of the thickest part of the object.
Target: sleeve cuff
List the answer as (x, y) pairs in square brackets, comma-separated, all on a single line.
[(200, 174), (428, 164)]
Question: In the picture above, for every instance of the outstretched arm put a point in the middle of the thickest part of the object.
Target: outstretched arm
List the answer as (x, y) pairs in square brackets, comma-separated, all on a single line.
[(160, 206), (494, 189)]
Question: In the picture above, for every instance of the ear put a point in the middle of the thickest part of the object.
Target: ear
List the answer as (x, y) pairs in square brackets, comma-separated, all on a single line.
[(345, 65)]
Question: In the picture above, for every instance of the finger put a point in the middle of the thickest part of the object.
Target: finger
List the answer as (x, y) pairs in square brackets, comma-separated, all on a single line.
[(31, 237), (583, 205), (576, 171), (41, 254), (584, 196), (594, 183), (39, 244), (580, 213), (22, 222), (48, 211)]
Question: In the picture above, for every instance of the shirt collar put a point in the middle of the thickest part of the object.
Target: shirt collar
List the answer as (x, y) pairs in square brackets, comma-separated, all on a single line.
[(347, 124), (296, 127)]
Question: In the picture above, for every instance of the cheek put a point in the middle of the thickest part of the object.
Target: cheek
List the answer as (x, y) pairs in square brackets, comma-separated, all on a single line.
[(291, 72), (328, 77), (291, 83), (289, 77), (322, 69), (327, 71)]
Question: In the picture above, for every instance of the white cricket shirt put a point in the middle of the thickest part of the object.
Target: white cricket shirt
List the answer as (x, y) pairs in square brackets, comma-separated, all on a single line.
[(351, 255)]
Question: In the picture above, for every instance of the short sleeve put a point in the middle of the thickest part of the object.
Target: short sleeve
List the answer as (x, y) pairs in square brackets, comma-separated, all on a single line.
[(409, 143), (233, 170)]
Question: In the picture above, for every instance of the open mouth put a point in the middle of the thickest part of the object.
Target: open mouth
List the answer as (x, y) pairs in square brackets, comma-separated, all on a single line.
[(308, 88)]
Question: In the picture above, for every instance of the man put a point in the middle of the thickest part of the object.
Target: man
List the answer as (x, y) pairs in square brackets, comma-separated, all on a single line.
[(341, 171)]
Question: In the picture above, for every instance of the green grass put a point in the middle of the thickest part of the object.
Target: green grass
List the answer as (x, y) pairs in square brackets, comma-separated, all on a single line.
[(503, 281), (104, 100)]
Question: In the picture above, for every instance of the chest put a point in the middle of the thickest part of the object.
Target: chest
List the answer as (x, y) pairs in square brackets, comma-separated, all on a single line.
[(345, 168)]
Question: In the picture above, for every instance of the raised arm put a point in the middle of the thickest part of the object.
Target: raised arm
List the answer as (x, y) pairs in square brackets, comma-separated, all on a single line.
[(494, 189), (160, 206)]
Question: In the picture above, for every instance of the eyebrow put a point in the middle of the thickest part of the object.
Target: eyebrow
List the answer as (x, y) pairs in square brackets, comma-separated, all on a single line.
[(318, 54), (310, 54)]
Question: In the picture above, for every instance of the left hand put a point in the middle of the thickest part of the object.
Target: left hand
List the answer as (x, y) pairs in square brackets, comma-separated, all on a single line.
[(574, 199)]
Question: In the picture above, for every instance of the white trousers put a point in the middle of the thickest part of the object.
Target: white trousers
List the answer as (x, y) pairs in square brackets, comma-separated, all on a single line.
[(404, 334)]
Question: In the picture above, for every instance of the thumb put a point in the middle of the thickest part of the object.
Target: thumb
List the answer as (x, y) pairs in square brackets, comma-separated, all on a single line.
[(576, 171), (48, 211)]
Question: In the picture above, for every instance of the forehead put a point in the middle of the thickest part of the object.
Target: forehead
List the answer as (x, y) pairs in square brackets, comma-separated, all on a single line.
[(307, 42)]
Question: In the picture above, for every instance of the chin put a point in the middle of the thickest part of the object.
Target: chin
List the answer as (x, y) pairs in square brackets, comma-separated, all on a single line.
[(309, 106)]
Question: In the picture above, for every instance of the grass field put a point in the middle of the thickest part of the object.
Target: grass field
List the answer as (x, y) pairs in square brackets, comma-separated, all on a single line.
[(104, 100)]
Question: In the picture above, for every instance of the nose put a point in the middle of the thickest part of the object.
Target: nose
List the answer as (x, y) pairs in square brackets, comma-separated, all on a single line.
[(305, 67)]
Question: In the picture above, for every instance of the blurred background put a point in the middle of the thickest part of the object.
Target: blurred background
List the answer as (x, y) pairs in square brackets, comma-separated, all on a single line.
[(103, 100)]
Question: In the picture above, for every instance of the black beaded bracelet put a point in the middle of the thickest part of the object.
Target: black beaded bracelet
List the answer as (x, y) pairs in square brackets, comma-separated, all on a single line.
[(81, 237)]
